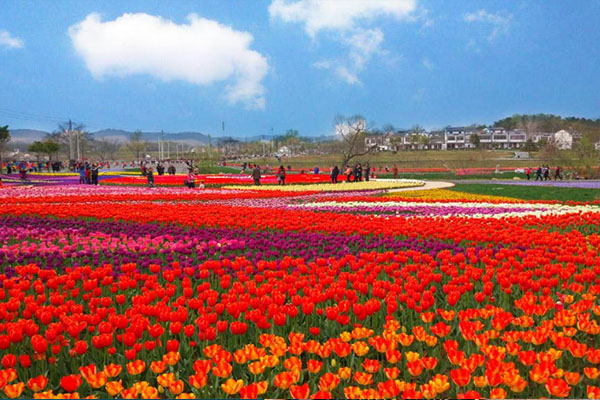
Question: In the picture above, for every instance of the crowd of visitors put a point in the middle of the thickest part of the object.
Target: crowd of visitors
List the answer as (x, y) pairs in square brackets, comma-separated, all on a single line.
[(543, 172)]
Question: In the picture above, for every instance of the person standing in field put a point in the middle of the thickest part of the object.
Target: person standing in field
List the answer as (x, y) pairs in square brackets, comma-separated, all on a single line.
[(367, 172), (557, 174), (95, 172), (281, 176), (348, 173), (528, 173), (190, 182), (335, 171), (81, 173), (150, 177), (256, 175), (395, 171), (538, 174)]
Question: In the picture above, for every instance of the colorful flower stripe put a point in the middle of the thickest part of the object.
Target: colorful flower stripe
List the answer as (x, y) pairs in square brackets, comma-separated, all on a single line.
[(340, 187), (447, 195), (221, 179), (475, 210)]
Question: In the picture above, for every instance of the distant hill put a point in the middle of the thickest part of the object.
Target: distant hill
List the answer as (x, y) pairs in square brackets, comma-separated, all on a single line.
[(26, 135), (31, 135)]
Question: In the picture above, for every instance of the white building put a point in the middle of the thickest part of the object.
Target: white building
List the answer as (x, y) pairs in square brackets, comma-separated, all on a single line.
[(489, 138), (384, 142)]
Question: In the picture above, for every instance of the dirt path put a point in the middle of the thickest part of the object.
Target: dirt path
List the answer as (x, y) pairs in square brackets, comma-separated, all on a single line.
[(428, 185)]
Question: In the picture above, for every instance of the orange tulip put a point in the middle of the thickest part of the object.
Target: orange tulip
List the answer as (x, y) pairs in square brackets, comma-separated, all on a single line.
[(231, 386), (283, 380), (256, 367), (149, 392), (391, 373), (497, 393), (539, 374), (371, 366), (591, 373), (136, 367), (328, 382), (270, 361), (412, 356), (388, 389), (158, 367), (262, 387), (360, 348), (176, 387), (363, 378), (344, 373), (300, 391), (354, 392), (593, 392), (292, 364), (13, 391), (140, 386), (415, 368), (429, 362), (198, 380), (479, 381), (405, 340), (38, 383), (112, 370), (114, 388), (172, 357), (393, 356), (557, 387), (98, 380), (48, 394), (440, 383), (130, 393), (572, 378), (222, 370), (461, 376), (314, 366), (186, 396), (87, 371), (165, 380)]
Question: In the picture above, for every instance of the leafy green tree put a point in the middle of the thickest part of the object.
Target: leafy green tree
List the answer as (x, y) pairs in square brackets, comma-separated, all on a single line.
[(4, 139), (475, 140), (530, 145), (48, 147), (38, 148)]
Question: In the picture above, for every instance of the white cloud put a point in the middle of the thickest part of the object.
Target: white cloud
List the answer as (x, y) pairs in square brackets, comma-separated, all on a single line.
[(428, 64), (500, 23), (201, 52), (9, 41), (346, 21), (337, 15)]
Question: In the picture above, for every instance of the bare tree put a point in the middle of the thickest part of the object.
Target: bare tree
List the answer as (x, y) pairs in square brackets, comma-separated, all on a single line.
[(352, 132), (107, 148), (73, 138), (136, 144)]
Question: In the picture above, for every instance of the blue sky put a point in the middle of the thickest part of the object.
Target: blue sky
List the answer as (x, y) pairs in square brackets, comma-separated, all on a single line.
[(281, 64)]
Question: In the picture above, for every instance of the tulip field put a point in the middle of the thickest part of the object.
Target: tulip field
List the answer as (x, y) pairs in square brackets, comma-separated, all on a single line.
[(299, 291)]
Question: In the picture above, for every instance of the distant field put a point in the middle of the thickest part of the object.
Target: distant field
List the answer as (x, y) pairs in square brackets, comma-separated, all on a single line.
[(449, 160)]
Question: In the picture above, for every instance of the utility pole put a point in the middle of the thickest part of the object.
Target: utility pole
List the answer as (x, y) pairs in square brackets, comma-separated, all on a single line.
[(70, 133), (78, 147)]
